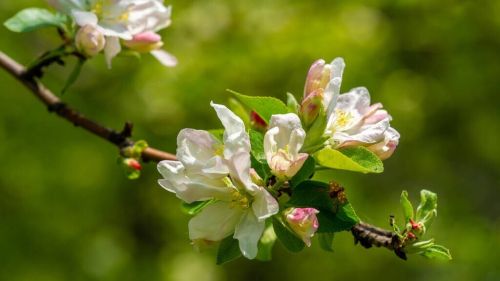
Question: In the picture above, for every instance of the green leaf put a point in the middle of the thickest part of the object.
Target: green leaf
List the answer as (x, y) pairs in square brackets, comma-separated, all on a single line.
[(437, 251), (266, 244), (239, 110), (257, 144), (357, 159), (333, 216), (291, 103), (265, 107), (326, 241), (34, 18), (287, 237), (228, 250), (73, 75), (304, 173), (312, 194), (407, 206), (195, 207), (344, 219), (428, 204)]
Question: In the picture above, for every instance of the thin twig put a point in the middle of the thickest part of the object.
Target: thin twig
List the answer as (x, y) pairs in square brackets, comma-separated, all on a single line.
[(54, 104)]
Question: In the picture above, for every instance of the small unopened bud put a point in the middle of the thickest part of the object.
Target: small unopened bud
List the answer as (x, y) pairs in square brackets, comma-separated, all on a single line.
[(144, 42), (257, 122), (411, 236), (311, 106), (89, 40), (318, 77), (303, 222), (132, 163), (415, 225)]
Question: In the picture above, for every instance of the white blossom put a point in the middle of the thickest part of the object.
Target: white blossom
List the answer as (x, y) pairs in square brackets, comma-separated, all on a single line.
[(282, 143), (210, 169)]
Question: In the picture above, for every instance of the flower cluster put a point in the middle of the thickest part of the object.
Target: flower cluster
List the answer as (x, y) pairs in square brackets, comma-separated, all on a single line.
[(109, 25), (256, 176)]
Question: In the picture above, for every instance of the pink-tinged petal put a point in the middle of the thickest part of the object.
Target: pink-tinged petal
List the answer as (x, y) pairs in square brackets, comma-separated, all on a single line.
[(303, 222), (164, 58), (314, 77), (384, 149)]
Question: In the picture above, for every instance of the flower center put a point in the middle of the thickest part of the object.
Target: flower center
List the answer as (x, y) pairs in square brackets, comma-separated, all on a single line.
[(343, 118), (239, 199)]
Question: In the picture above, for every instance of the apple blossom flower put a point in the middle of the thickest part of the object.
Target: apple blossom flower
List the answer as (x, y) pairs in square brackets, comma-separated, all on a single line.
[(303, 222), (89, 40), (209, 169), (282, 143), (117, 19), (351, 120)]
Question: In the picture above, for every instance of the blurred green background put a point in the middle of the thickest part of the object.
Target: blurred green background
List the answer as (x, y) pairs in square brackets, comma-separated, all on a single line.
[(68, 213)]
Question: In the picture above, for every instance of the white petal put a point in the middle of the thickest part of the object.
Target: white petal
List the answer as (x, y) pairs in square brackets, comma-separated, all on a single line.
[(286, 124), (296, 141), (248, 232), (215, 222), (235, 135), (332, 90), (264, 204), (239, 169), (370, 133), (357, 99), (148, 16), (111, 49), (83, 18), (114, 29), (197, 150), (191, 187), (270, 145)]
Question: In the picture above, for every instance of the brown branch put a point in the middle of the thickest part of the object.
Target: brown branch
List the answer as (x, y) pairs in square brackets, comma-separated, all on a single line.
[(367, 235), (54, 104)]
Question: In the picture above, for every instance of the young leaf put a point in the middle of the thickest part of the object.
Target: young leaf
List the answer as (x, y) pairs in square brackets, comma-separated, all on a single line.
[(304, 173), (287, 237), (73, 75), (315, 139), (265, 107), (428, 203), (195, 207), (266, 244), (326, 240), (437, 251), (261, 168), (34, 18), (407, 206), (257, 144), (228, 250), (357, 159), (291, 103)]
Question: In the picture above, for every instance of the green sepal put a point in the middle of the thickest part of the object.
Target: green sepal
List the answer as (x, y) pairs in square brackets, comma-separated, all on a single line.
[(286, 236), (315, 137), (229, 250), (357, 159), (34, 18)]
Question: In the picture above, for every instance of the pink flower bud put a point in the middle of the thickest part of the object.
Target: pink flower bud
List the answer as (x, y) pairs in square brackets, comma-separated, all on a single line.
[(303, 222), (311, 106), (317, 77), (144, 42), (89, 40), (132, 163)]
